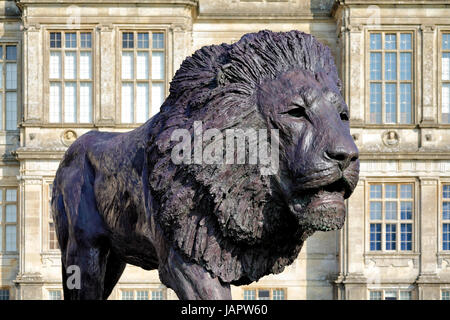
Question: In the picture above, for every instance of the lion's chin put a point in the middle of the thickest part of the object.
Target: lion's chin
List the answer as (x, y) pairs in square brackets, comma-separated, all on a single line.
[(321, 211)]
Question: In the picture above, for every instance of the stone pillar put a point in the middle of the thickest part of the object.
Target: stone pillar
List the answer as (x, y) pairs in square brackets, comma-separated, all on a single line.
[(107, 69), (429, 111), (29, 279), (428, 279), (354, 280), (33, 73)]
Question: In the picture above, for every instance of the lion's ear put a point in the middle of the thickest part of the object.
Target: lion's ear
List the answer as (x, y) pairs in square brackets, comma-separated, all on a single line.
[(221, 78)]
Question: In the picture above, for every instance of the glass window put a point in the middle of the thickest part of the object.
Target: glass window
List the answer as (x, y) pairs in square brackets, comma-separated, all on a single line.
[(249, 294), (446, 217), (71, 78), (8, 87), (445, 295), (375, 295), (4, 294), (8, 220), (391, 217), (278, 294), (127, 295), (390, 78), (445, 78), (265, 294), (55, 294), (141, 295), (143, 74), (157, 295)]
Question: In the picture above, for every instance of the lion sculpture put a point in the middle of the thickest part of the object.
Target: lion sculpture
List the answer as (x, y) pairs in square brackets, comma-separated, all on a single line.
[(118, 198)]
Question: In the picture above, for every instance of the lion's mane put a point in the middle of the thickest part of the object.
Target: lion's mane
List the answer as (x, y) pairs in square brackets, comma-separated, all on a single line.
[(223, 216)]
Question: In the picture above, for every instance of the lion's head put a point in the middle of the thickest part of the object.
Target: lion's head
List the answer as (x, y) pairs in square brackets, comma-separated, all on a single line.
[(239, 224)]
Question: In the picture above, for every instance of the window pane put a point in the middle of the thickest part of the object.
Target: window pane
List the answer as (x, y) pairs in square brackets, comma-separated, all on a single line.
[(11, 238), (55, 295), (1, 52), (446, 236), (86, 40), (158, 65), (85, 102), (390, 191), (390, 42), (263, 295), (390, 72), (446, 210), (278, 294), (375, 236), (375, 102), (141, 295), (11, 53), (375, 295), (405, 41), (157, 295), (55, 102), (445, 295), (406, 210), (53, 241), (405, 66), (1, 74), (11, 76), (375, 41), (11, 111), (446, 41), (445, 191), (143, 40), (127, 65), (391, 103), (70, 65), (391, 236), (405, 103), (375, 66), (406, 237), (142, 65), (391, 210), (85, 65), (127, 295), (71, 40), (375, 191), (406, 191), (1, 217), (446, 66), (4, 293), (157, 97), (70, 102), (1, 239), (158, 40), (405, 295), (127, 40), (375, 210), (11, 215), (127, 103), (55, 39), (11, 195), (249, 294), (446, 103), (142, 102), (55, 65)]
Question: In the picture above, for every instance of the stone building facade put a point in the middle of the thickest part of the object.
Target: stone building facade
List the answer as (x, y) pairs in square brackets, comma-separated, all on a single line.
[(68, 67)]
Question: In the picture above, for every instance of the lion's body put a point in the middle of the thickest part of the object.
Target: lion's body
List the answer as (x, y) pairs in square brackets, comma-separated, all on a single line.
[(119, 198)]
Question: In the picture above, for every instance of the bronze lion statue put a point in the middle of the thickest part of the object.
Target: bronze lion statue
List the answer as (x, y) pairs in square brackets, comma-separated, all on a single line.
[(119, 198)]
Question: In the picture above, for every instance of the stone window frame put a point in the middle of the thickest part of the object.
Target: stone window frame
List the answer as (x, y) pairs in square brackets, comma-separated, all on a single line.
[(46, 75), (398, 291), (46, 217), (415, 88), (415, 221), (270, 289), (441, 221), (440, 51), (136, 29), (18, 90), (149, 292), (3, 224)]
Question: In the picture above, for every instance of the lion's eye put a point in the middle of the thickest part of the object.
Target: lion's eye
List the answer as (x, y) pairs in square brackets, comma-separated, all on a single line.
[(298, 112), (344, 116)]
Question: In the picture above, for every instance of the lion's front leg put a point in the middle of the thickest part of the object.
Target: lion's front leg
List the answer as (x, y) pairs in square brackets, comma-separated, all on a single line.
[(191, 281)]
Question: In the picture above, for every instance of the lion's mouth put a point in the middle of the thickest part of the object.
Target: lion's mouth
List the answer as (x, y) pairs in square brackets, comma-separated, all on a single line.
[(320, 209)]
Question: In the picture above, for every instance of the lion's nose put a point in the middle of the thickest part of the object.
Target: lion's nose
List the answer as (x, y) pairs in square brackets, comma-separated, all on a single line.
[(342, 155)]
